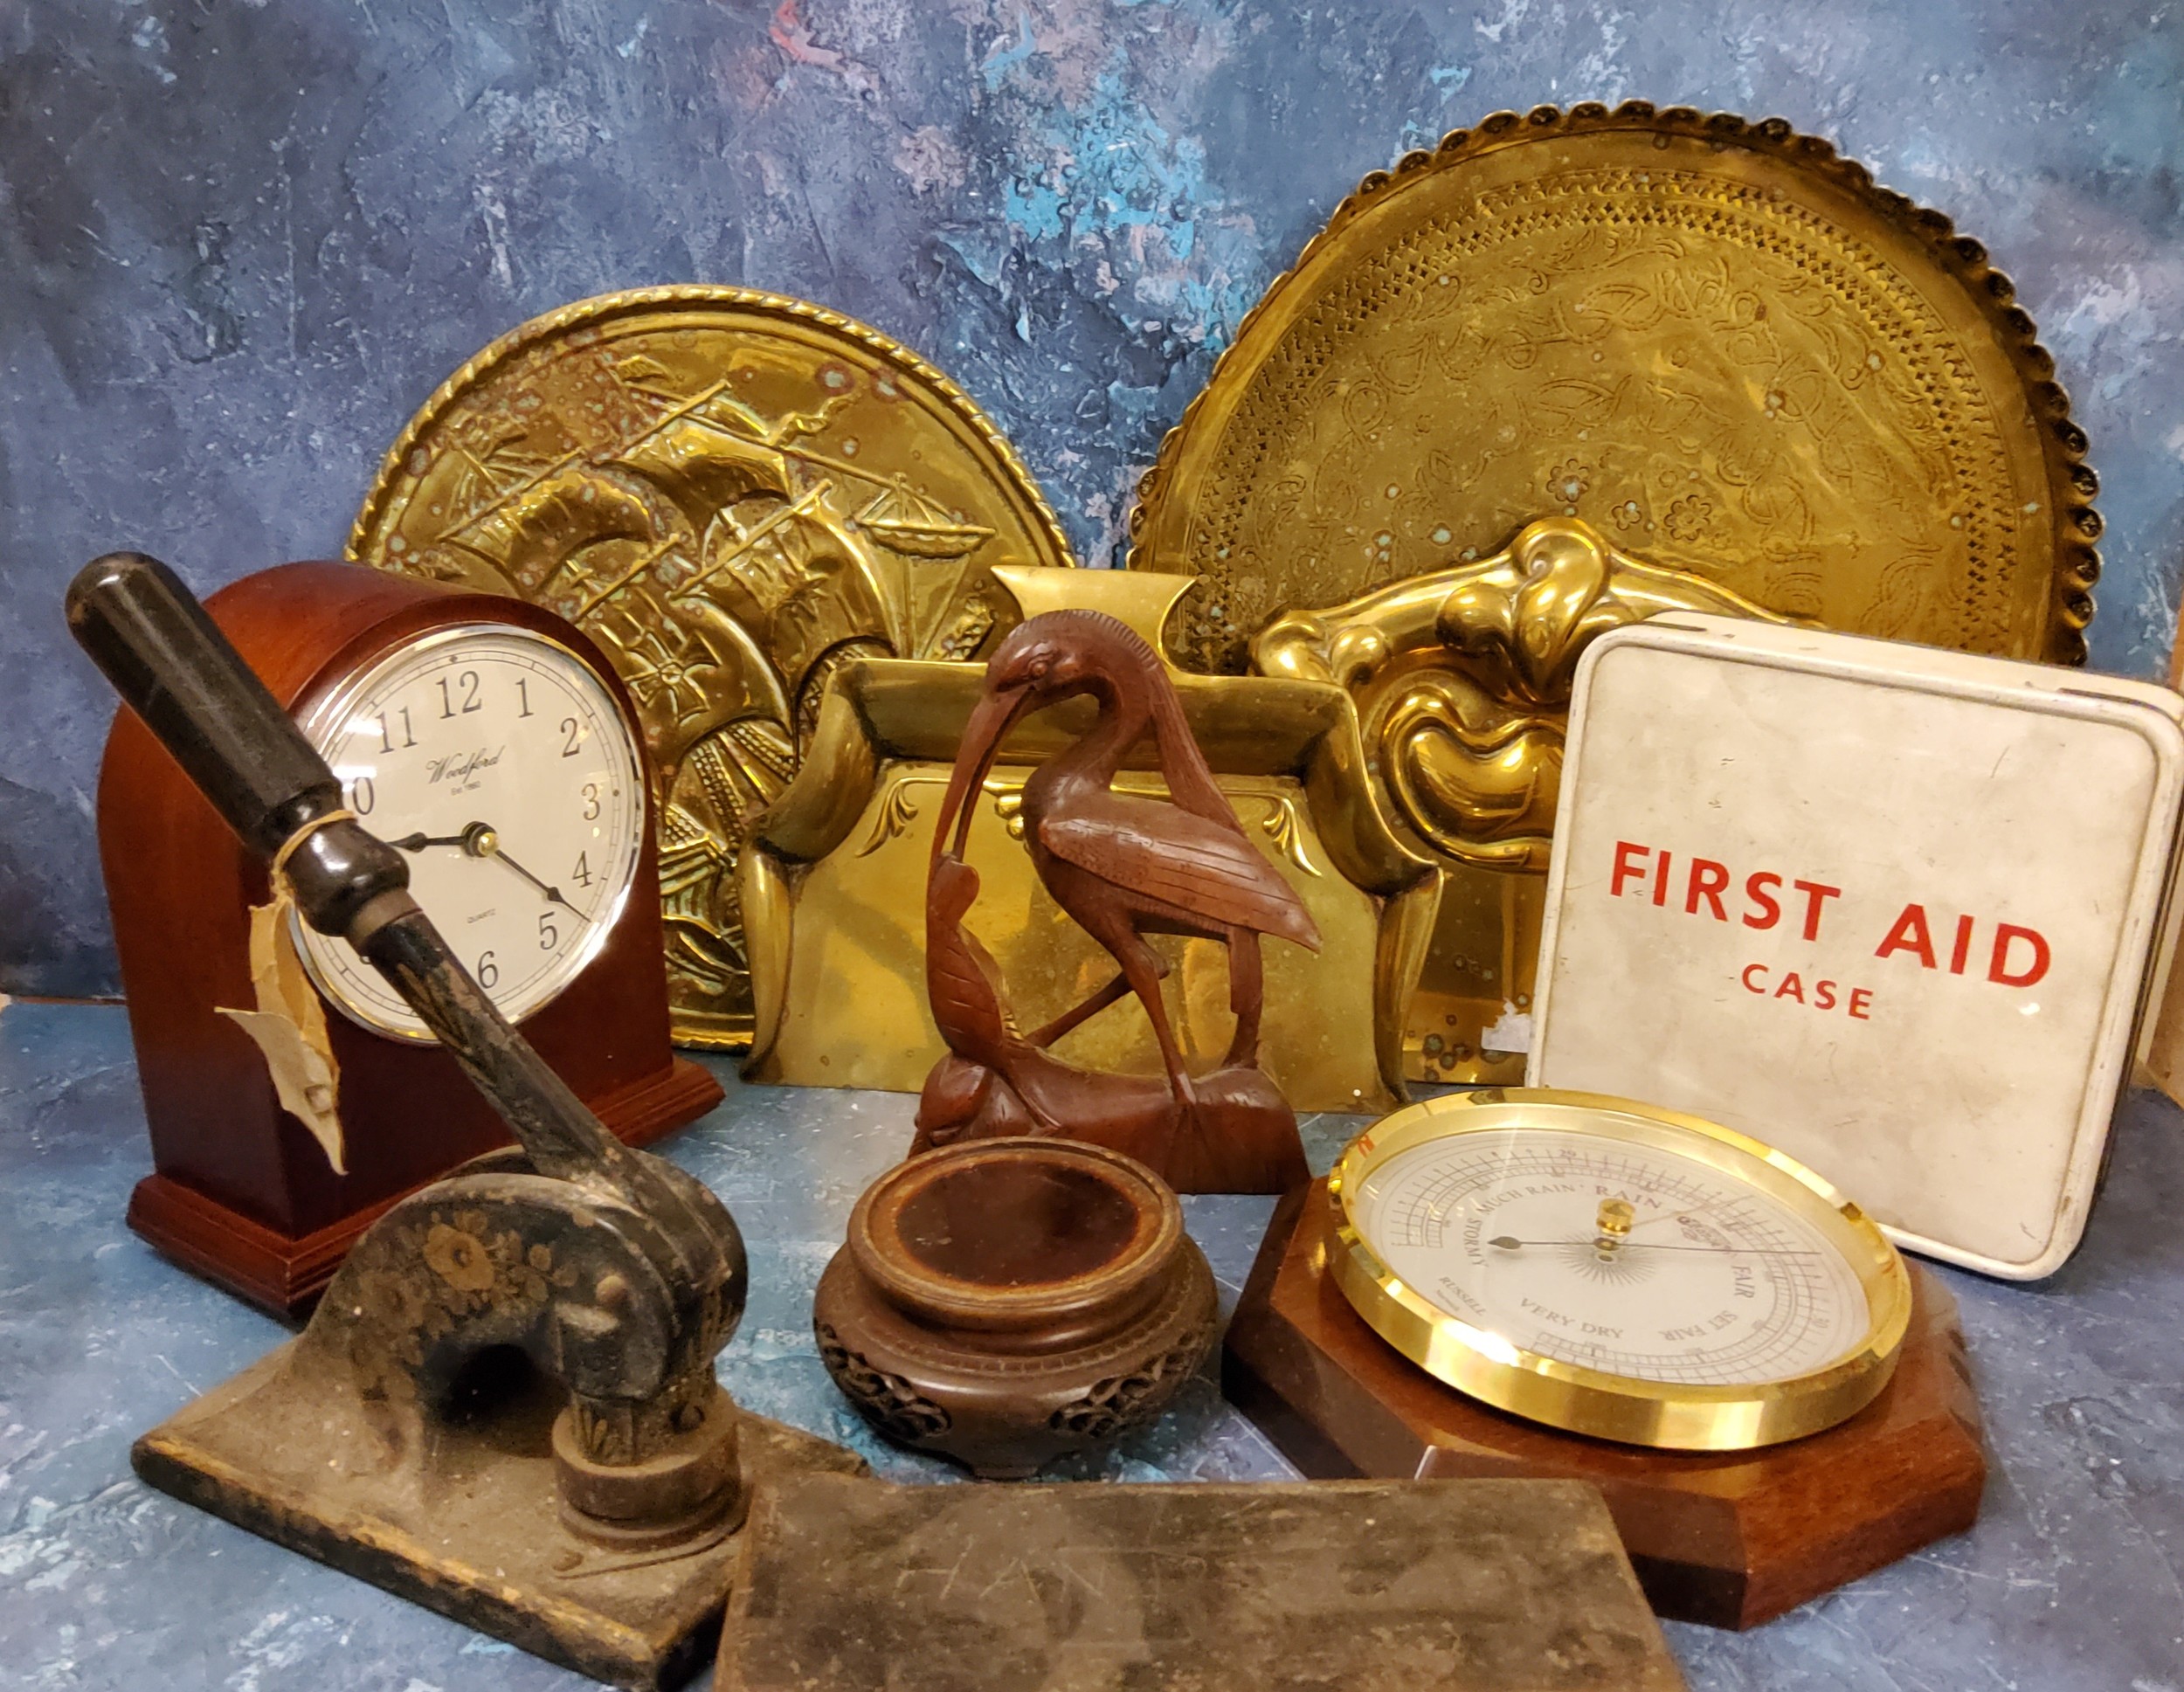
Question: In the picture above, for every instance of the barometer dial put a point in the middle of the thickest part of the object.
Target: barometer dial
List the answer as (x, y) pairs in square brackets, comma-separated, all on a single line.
[(1617, 1270), (496, 760)]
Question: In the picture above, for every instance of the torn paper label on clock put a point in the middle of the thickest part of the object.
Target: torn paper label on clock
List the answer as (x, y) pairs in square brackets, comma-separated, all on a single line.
[(289, 1028)]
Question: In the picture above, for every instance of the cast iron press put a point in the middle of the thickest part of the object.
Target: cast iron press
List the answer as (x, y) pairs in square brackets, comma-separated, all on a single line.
[(505, 1408)]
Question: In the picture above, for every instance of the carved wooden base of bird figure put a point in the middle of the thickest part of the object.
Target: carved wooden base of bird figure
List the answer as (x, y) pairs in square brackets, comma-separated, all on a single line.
[(1123, 866)]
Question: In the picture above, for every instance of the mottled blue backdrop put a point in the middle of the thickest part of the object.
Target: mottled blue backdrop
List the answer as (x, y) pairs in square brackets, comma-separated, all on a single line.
[(240, 240)]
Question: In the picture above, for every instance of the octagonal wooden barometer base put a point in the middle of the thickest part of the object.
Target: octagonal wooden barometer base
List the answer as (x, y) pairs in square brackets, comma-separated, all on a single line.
[(1729, 1539)]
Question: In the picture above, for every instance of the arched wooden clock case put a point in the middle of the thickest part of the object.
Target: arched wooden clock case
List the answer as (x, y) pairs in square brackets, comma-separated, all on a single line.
[(241, 1192)]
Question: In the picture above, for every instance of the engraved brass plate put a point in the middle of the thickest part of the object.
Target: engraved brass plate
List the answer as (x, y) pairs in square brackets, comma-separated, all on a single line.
[(732, 494), (1717, 344)]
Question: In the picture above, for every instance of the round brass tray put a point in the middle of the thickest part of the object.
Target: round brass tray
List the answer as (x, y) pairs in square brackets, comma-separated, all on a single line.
[(1682, 1416), (1716, 343), (731, 492)]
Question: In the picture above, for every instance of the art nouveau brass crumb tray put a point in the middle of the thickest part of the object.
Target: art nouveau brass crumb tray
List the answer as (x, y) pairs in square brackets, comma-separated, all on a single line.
[(1461, 678), (1721, 346), (733, 493)]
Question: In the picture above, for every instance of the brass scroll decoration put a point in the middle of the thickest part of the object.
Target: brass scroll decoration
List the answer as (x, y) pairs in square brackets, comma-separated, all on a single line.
[(1462, 678)]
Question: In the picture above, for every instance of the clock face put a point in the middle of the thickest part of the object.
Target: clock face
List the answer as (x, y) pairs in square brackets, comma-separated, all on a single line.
[(499, 764)]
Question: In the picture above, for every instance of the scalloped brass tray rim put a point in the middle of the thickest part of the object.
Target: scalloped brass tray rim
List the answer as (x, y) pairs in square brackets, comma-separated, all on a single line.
[(601, 307), (1628, 1409), (2071, 481)]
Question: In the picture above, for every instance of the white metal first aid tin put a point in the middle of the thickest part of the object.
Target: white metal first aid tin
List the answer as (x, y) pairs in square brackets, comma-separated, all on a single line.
[(1888, 908)]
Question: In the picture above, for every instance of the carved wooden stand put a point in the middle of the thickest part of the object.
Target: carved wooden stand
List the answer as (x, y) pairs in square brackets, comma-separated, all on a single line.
[(1005, 1302), (1728, 1539)]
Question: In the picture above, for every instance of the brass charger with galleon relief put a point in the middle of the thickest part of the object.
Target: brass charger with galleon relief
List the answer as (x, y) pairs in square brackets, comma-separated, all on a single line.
[(732, 494)]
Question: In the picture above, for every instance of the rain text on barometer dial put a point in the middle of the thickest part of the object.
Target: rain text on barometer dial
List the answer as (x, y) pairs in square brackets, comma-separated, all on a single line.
[(498, 762), (1616, 1257)]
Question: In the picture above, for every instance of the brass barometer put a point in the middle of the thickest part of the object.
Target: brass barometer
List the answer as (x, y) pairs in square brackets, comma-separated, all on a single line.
[(1617, 1270)]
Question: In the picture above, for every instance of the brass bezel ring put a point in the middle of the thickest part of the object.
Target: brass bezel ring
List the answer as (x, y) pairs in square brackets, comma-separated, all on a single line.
[(1631, 1410)]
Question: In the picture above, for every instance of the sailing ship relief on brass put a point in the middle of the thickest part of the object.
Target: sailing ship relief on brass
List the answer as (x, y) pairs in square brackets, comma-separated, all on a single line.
[(1720, 345), (732, 494)]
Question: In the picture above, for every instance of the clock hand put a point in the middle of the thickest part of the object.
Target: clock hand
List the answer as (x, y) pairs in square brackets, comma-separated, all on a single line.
[(481, 841), (419, 841), (553, 894)]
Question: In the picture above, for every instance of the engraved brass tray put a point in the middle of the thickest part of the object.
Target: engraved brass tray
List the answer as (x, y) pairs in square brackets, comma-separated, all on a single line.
[(1715, 342), (733, 493)]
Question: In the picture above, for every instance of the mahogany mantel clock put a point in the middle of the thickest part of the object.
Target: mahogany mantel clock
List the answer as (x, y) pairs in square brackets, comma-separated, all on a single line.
[(493, 743)]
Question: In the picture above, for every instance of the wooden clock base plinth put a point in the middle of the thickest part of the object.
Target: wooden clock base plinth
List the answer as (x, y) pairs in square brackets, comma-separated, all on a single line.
[(1729, 1539), (285, 1274)]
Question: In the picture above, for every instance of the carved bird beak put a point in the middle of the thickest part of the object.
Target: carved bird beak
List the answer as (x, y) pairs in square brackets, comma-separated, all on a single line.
[(991, 720)]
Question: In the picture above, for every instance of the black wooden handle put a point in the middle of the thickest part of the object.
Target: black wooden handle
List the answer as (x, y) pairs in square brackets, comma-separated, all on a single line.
[(176, 670)]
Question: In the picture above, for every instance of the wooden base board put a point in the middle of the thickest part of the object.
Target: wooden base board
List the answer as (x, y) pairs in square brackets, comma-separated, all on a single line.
[(466, 1521), (285, 1273), (1728, 1539)]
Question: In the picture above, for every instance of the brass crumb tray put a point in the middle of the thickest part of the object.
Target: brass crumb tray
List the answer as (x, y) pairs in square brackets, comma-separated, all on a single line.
[(732, 493), (1716, 343), (467, 1526)]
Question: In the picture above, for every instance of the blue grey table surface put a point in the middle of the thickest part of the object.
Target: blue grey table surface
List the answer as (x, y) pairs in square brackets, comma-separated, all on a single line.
[(2069, 1581)]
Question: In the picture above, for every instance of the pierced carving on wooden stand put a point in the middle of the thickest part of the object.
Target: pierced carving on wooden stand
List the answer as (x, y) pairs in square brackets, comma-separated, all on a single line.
[(1122, 866), (1007, 1302)]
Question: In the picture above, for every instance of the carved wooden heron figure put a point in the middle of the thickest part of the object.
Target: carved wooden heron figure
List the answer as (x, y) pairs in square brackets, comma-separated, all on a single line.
[(1125, 866)]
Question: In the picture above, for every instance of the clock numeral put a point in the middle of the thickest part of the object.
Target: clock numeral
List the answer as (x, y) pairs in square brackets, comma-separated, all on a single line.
[(591, 800), (582, 874), (386, 732), (488, 971), (523, 696), (363, 795), (574, 730), (468, 681), (548, 935)]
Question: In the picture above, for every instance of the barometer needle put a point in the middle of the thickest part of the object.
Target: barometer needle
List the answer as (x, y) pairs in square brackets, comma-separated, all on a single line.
[(1507, 1244)]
